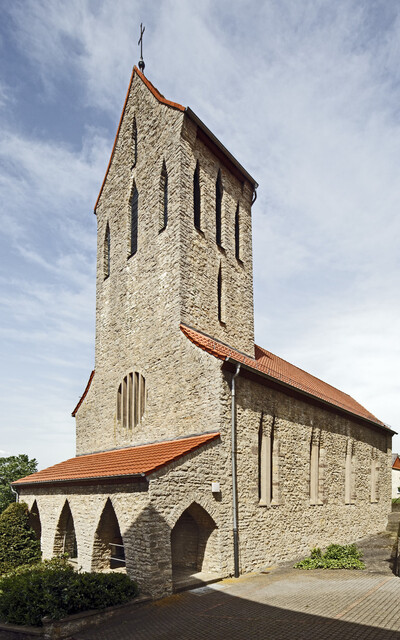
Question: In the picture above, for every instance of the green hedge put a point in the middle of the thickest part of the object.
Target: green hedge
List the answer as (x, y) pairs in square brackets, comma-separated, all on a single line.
[(18, 542), (54, 589), (336, 556)]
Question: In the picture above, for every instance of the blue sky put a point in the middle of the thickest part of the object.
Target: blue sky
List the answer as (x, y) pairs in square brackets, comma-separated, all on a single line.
[(305, 94)]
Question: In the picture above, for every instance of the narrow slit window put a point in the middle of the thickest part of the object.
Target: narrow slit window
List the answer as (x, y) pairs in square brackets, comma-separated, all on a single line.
[(142, 396), (130, 400), (119, 402), (124, 402), (107, 252), (134, 221), (196, 198), (134, 143), (237, 233), (314, 472), (136, 415), (219, 293), (218, 210), (164, 199)]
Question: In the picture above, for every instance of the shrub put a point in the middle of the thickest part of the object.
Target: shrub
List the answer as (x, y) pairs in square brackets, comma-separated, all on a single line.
[(54, 589), (18, 542), (336, 556)]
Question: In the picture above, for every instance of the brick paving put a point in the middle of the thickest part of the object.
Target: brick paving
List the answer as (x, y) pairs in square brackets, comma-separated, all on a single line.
[(283, 604)]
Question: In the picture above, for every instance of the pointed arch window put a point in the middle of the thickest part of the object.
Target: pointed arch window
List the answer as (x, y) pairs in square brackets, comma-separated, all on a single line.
[(134, 221), (134, 143), (237, 233), (107, 252), (196, 197), (218, 210), (163, 198)]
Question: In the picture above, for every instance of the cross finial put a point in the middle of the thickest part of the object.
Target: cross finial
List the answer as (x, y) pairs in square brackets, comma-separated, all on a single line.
[(140, 41)]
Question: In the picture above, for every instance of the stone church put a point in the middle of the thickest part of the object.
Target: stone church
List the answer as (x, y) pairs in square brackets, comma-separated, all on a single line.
[(199, 454)]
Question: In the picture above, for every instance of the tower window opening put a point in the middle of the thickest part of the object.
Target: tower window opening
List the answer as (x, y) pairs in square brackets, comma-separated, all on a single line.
[(218, 210), (163, 221), (134, 143), (134, 221), (196, 197), (237, 233), (107, 252), (220, 295)]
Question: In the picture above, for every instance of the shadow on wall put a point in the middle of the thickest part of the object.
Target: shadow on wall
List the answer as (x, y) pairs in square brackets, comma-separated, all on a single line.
[(156, 556)]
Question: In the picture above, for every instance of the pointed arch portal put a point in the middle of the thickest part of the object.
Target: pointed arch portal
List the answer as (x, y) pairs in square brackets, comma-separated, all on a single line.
[(65, 538), (34, 520), (194, 543), (108, 548)]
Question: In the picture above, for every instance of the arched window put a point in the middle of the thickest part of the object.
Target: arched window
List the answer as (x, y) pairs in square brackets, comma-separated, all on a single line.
[(237, 233), (218, 210), (196, 197), (107, 252), (134, 221), (163, 198), (131, 400), (134, 143), (108, 547), (65, 538)]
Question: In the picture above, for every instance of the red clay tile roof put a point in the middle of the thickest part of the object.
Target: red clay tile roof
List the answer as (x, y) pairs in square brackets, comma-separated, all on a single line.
[(157, 95), (396, 464), (133, 461), (280, 370), (83, 396)]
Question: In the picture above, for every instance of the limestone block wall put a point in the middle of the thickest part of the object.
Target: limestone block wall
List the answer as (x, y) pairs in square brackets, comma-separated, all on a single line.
[(146, 518), (201, 257), (290, 526)]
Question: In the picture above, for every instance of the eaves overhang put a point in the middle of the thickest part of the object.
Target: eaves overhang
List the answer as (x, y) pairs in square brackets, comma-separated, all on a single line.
[(296, 390)]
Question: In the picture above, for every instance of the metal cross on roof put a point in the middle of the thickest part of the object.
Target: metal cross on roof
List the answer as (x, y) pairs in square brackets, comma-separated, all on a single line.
[(140, 41)]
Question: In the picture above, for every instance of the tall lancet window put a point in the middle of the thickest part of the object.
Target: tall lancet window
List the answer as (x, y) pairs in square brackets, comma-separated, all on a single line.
[(349, 485), (196, 197), (134, 221), (317, 457), (220, 295), (107, 252), (134, 143), (268, 452), (218, 210), (237, 233), (163, 220)]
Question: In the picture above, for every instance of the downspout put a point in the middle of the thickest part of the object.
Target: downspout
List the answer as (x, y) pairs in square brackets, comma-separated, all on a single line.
[(234, 477), (15, 493)]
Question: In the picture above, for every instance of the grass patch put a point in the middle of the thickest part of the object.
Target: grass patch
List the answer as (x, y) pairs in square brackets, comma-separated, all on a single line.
[(337, 556)]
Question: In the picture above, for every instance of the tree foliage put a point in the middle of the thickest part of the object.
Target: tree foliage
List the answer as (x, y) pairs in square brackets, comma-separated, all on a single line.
[(11, 469), (18, 542)]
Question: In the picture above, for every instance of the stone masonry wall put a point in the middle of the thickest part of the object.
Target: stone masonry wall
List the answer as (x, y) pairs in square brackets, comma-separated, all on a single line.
[(293, 526), (139, 304)]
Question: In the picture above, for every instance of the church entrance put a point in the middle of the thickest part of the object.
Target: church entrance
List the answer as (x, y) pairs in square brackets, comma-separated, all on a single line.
[(65, 539), (108, 548), (194, 554)]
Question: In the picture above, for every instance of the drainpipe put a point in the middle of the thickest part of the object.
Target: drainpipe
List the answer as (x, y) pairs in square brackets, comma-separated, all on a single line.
[(15, 493), (234, 478)]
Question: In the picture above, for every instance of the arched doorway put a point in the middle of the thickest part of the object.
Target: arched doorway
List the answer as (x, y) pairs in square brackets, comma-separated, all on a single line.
[(34, 520), (108, 547), (194, 553), (65, 538)]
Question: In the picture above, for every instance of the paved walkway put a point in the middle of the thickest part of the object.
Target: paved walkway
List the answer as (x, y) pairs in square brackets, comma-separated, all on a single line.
[(282, 604)]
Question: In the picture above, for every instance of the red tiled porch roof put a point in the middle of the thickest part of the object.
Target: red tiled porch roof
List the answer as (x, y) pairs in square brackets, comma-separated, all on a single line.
[(132, 461), (396, 464), (274, 367)]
